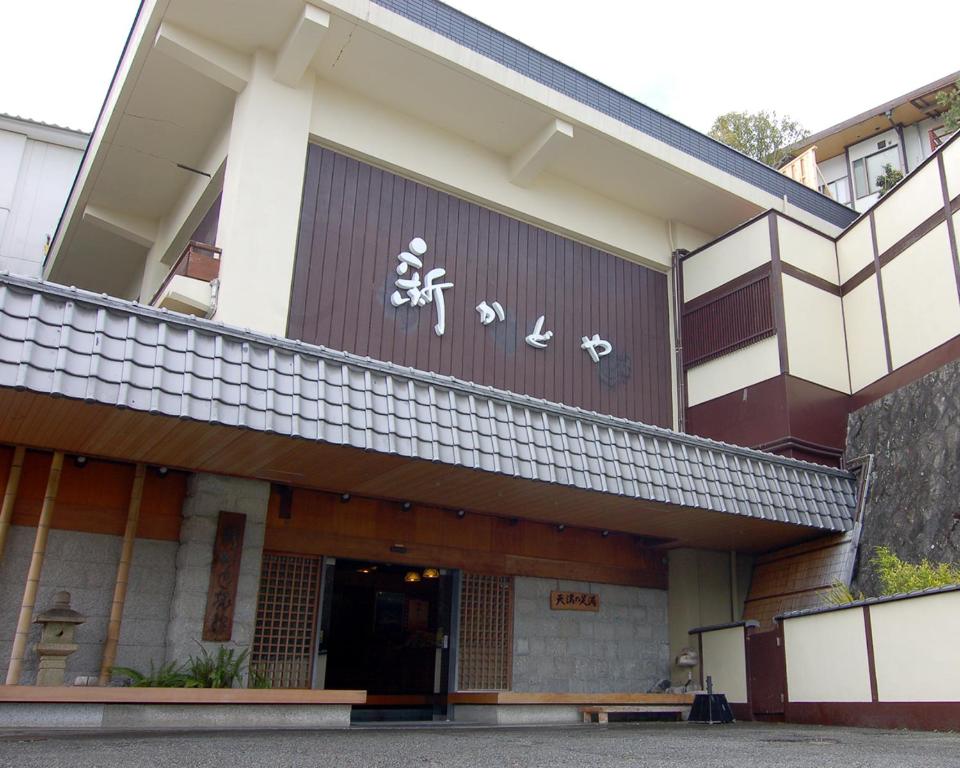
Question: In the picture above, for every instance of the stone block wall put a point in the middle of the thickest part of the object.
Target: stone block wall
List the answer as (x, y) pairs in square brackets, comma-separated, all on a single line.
[(85, 564), (623, 647), (914, 502), (207, 496)]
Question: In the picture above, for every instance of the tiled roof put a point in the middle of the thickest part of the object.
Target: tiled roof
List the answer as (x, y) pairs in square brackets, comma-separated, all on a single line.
[(70, 343), (527, 61)]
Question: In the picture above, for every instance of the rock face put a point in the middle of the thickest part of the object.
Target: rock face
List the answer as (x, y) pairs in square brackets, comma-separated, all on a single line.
[(914, 503)]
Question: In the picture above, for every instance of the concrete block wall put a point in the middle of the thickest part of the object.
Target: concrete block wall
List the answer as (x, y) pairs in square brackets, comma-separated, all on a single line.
[(207, 496), (623, 647), (85, 564)]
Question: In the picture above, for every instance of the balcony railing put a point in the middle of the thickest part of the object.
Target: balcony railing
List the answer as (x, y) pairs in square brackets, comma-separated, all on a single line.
[(199, 263)]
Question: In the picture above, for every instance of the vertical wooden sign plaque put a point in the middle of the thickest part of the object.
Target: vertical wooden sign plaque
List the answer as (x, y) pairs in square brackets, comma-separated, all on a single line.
[(224, 575)]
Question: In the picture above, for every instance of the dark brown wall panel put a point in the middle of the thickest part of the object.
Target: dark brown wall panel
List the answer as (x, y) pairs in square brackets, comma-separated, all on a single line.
[(357, 218), (739, 315)]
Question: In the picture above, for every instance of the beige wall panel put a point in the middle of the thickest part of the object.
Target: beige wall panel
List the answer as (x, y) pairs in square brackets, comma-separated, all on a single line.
[(730, 258), (827, 657), (699, 596), (750, 365), (725, 660), (854, 250), (920, 292), (907, 631), (808, 250), (951, 163), (815, 335), (424, 152), (913, 202), (864, 329)]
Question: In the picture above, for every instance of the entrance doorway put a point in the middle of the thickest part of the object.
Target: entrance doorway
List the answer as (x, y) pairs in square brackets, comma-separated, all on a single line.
[(385, 629)]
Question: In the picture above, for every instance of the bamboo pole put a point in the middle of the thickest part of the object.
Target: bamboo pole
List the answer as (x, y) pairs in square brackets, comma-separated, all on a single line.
[(123, 576), (10, 495), (33, 575)]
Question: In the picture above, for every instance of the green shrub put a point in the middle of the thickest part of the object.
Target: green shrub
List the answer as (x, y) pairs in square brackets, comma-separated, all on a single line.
[(223, 669), (897, 576), (166, 676)]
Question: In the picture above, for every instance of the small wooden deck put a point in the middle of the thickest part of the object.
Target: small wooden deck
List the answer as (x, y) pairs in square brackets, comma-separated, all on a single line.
[(518, 708), (106, 695), (575, 699)]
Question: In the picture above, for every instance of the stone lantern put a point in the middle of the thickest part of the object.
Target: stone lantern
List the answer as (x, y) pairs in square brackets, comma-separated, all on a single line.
[(58, 627)]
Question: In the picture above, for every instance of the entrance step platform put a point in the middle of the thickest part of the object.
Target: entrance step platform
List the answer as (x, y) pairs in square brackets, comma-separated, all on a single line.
[(516, 708), (25, 706)]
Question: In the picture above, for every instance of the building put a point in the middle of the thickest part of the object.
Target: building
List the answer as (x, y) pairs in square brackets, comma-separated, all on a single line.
[(416, 362), (901, 133), (38, 163)]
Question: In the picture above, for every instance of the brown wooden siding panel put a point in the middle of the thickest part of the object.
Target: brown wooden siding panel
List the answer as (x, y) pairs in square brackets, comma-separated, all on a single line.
[(732, 321), (357, 218)]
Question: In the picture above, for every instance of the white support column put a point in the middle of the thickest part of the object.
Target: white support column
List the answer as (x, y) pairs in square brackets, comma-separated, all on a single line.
[(529, 161), (260, 210)]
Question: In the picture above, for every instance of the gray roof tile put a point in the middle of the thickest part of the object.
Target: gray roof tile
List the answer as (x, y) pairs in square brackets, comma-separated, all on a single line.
[(65, 342)]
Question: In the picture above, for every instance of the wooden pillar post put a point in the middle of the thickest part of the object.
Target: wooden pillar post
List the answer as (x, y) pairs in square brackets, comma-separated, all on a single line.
[(33, 575), (123, 576), (10, 495)]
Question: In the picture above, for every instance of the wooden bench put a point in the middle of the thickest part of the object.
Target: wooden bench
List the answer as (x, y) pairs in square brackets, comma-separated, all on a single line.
[(520, 708), (602, 713)]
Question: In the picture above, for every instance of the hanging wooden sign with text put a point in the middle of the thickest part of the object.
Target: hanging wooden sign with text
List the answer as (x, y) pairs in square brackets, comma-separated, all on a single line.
[(224, 576), (574, 601)]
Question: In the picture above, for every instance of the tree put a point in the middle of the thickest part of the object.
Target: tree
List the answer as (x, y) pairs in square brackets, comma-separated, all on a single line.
[(950, 101), (761, 135), (888, 179)]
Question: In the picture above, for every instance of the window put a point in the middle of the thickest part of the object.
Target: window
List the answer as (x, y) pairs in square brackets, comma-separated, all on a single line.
[(839, 190), (867, 169)]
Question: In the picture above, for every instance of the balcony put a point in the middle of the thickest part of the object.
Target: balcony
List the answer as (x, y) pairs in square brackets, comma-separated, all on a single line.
[(190, 286)]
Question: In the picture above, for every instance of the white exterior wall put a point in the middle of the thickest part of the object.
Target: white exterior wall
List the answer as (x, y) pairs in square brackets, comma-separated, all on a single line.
[(908, 631), (807, 250), (35, 179), (951, 164), (865, 349), (920, 293), (731, 257), (725, 660), (913, 202), (827, 657), (747, 366), (854, 250), (816, 344), (862, 149), (833, 168)]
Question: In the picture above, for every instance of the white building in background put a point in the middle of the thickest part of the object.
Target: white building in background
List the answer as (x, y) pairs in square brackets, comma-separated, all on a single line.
[(844, 161), (38, 163)]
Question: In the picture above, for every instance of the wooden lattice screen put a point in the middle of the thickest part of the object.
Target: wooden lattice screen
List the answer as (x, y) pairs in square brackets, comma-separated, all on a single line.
[(283, 639), (485, 658)]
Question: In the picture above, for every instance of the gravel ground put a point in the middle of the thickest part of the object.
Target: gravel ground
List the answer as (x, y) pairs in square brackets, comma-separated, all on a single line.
[(742, 745)]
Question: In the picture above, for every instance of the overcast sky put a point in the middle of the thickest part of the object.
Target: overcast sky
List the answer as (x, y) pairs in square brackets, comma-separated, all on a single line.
[(819, 61)]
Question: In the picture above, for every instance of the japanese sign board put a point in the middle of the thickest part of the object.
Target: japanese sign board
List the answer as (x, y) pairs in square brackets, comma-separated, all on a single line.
[(574, 601), (224, 575)]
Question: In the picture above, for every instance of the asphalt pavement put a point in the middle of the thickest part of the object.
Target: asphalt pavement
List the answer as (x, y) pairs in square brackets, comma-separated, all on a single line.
[(742, 745)]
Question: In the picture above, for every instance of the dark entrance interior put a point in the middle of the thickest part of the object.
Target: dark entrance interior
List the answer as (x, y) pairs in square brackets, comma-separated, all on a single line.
[(388, 634)]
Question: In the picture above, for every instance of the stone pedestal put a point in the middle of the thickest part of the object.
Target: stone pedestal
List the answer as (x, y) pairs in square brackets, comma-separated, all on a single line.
[(59, 626)]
